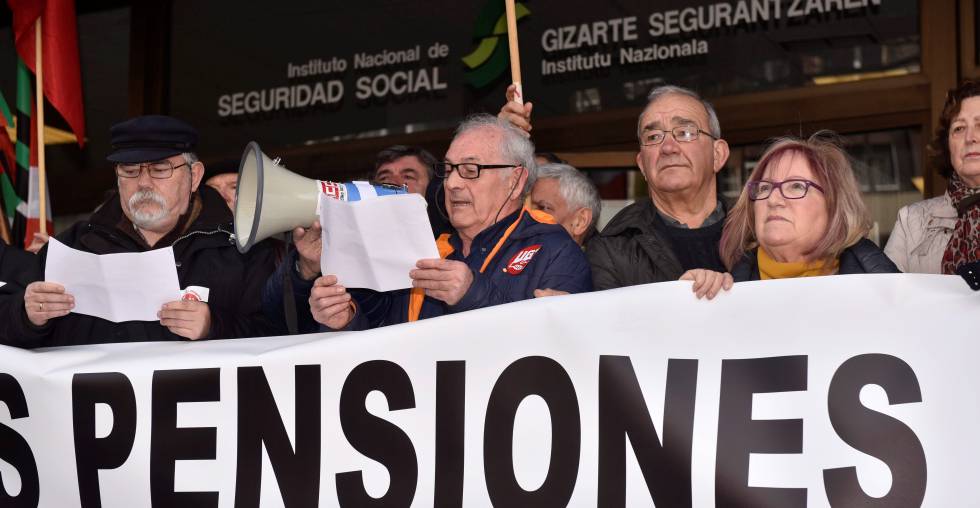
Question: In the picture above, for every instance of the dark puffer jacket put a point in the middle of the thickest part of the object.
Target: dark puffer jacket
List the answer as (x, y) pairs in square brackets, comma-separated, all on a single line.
[(862, 257), (206, 256)]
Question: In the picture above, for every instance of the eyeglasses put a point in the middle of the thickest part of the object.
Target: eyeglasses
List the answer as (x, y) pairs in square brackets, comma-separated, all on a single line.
[(790, 189), (681, 133), (160, 170), (468, 170)]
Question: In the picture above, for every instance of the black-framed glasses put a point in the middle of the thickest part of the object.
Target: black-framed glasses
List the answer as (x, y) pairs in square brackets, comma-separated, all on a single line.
[(794, 188), (160, 170), (681, 133), (468, 170)]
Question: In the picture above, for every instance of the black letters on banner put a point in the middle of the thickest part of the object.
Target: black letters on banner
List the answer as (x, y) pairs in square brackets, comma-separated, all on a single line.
[(14, 449), (533, 375), (874, 433), (739, 435), (298, 472), (91, 453), (168, 443), (376, 438), (623, 412), (450, 433)]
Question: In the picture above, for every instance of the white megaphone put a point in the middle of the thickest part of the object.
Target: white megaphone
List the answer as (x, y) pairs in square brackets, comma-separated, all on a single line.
[(270, 199)]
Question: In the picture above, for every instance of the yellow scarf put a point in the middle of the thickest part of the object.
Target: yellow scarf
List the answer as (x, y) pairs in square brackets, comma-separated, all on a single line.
[(769, 268)]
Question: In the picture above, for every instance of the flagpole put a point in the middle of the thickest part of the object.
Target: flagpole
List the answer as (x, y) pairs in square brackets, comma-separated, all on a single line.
[(39, 101), (515, 55)]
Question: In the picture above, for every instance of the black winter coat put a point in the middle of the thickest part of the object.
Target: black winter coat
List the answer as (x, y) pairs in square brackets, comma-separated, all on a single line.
[(206, 256), (630, 250), (18, 268), (862, 257)]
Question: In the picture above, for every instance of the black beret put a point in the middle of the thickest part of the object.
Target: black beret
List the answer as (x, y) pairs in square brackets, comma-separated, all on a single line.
[(151, 138)]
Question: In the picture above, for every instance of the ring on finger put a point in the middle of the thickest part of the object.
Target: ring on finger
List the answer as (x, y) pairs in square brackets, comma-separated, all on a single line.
[(40, 306)]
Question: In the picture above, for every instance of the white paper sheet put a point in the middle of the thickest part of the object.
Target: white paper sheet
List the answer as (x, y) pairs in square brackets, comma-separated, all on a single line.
[(374, 243), (116, 287)]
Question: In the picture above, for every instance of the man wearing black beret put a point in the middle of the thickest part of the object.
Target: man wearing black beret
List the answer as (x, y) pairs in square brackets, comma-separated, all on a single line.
[(160, 203)]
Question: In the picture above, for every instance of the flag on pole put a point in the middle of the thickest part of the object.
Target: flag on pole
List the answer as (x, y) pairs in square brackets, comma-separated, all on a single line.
[(27, 197), (23, 155), (26, 220), (33, 224), (8, 171), (59, 46)]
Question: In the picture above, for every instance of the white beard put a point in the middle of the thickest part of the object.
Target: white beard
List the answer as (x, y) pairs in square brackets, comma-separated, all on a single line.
[(141, 218)]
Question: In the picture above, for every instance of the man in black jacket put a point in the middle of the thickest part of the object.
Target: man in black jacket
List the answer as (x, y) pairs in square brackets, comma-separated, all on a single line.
[(160, 203), (678, 228)]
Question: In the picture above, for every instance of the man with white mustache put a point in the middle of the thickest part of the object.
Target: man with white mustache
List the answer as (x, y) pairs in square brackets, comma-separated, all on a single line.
[(160, 204), (501, 251), (676, 231)]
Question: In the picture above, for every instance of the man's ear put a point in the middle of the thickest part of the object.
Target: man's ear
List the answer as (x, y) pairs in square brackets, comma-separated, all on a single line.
[(197, 173), (639, 164), (581, 220), (721, 154), (518, 181)]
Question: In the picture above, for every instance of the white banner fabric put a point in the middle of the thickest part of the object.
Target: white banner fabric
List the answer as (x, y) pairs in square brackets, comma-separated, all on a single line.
[(829, 391)]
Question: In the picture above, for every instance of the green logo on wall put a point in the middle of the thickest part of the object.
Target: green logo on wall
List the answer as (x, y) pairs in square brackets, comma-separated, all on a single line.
[(491, 58)]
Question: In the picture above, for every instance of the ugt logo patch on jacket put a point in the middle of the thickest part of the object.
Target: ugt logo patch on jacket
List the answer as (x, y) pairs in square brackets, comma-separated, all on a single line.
[(521, 259)]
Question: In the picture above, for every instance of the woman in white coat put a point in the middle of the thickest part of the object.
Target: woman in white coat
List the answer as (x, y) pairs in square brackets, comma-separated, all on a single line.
[(942, 234)]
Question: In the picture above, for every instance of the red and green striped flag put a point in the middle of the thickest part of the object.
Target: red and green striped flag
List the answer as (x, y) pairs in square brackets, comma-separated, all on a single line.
[(8, 171), (28, 217)]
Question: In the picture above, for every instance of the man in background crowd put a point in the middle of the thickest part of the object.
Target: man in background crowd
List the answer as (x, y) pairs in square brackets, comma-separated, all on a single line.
[(569, 197)]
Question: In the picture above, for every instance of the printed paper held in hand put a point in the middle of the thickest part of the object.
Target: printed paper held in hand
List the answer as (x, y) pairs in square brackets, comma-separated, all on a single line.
[(374, 243), (116, 287)]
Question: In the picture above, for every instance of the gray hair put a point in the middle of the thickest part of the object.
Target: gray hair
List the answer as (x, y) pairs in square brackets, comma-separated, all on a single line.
[(575, 188), (515, 146), (190, 158), (714, 126)]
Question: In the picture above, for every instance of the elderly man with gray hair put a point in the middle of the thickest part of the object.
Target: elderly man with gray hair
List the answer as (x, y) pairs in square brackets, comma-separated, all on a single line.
[(569, 197), (501, 251), (675, 233), (159, 204)]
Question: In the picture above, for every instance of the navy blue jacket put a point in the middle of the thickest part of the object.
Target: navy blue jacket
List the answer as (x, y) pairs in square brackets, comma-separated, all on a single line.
[(274, 303), (534, 253)]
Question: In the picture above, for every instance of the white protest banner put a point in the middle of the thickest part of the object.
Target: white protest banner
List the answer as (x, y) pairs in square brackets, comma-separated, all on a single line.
[(830, 391)]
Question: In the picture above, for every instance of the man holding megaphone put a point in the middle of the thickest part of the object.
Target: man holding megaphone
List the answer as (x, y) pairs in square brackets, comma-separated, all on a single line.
[(501, 251)]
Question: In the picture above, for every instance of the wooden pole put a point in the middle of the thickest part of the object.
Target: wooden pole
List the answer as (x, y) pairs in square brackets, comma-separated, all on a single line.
[(39, 102), (515, 54)]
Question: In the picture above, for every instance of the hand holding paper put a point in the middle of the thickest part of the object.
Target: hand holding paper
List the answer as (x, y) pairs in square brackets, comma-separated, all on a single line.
[(442, 279), (190, 319), (330, 303), (44, 301), (375, 243)]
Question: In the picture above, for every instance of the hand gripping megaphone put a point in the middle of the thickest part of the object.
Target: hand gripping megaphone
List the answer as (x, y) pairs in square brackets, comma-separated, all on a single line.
[(271, 199)]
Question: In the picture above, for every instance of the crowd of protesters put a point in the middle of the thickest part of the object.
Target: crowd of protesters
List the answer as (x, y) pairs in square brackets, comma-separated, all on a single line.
[(509, 224)]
